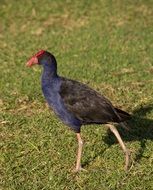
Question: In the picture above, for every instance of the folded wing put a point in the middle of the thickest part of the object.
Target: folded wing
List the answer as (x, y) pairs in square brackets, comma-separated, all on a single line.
[(87, 105)]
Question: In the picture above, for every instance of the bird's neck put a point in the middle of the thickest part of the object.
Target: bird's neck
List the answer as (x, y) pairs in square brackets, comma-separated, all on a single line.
[(49, 72), (50, 83)]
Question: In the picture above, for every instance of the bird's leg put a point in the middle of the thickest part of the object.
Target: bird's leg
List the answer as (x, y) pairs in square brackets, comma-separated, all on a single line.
[(80, 145), (126, 151)]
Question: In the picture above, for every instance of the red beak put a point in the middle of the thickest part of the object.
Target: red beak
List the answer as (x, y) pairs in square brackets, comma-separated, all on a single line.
[(32, 61)]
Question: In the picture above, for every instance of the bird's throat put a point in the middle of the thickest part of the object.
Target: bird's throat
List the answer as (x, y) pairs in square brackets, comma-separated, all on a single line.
[(49, 72)]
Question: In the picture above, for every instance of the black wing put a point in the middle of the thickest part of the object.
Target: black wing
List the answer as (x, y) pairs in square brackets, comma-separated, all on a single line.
[(86, 104)]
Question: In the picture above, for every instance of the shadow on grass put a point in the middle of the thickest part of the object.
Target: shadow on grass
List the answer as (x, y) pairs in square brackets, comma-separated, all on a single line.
[(140, 129)]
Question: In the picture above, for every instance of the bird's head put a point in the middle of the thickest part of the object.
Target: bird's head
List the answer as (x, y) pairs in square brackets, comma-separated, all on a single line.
[(42, 57)]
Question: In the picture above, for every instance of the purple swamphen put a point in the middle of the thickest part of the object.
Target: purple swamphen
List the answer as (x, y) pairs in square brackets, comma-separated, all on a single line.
[(76, 104)]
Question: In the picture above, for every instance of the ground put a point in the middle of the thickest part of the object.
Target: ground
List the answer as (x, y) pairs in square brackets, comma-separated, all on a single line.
[(105, 44)]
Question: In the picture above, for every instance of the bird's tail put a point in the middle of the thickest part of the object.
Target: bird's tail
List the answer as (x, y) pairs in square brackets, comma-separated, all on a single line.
[(122, 115)]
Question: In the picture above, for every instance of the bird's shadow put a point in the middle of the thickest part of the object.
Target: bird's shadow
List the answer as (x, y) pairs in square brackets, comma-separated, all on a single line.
[(140, 129)]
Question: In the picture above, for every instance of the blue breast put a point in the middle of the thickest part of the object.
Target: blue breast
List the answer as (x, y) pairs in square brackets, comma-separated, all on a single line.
[(51, 88)]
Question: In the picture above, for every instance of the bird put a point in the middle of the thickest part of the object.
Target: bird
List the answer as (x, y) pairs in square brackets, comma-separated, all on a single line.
[(77, 104)]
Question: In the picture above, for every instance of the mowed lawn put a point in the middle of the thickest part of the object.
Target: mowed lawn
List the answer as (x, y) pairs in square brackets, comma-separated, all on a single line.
[(107, 44)]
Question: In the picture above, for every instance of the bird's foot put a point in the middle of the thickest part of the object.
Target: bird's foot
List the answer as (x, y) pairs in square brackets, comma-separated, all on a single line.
[(79, 169)]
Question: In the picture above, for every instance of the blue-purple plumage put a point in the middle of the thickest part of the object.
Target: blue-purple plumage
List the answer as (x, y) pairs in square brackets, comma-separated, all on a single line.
[(51, 84)]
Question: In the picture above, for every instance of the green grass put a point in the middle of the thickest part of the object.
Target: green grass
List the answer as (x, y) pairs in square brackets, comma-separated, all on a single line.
[(106, 44)]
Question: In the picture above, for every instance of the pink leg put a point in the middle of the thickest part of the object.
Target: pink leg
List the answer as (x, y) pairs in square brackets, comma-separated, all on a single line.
[(126, 151), (79, 154)]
